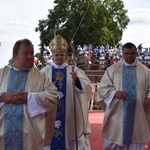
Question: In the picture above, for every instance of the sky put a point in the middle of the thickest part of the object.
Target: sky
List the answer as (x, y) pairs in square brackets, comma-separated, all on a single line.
[(138, 29), (19, 18)]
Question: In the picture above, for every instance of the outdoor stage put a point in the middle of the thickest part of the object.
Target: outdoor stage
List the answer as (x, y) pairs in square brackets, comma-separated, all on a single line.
[(96, 121)]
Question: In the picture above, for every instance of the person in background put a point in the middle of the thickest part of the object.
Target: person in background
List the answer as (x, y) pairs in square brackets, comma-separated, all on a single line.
[(74, 89), (27, 102), (69, 58), (124, 94)]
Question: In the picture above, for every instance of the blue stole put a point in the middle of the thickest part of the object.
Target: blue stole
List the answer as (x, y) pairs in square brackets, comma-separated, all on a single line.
[(129, 103), (13, 113), (59, 138)]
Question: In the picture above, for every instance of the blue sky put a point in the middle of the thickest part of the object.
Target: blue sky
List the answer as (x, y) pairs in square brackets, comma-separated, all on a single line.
[(20, 17)]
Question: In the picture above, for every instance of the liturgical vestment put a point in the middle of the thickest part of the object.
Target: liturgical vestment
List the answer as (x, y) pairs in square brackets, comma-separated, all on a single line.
[(113, 80), (65, 125), (38, 112)]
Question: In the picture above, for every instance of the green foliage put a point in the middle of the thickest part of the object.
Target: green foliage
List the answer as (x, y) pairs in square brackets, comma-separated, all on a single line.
[(10, 61), (95, 107), (38, 55), (39, 64), (88, 21)]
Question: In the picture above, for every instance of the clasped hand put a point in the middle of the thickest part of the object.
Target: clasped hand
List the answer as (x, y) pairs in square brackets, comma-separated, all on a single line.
[(74, 75), (14, 97), (120, 95)]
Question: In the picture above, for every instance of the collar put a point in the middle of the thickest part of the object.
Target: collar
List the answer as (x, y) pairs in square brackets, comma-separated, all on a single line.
[(133, 64), (14, 68), (60, 66)]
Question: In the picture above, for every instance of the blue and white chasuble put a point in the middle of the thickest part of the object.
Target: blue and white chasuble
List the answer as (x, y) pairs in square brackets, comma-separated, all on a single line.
[(13, 113), (59, 78), (129, 103)]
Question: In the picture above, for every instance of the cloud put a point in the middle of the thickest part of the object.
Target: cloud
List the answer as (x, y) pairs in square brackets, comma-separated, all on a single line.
[(138, 28), (139, 16), (18, 20)]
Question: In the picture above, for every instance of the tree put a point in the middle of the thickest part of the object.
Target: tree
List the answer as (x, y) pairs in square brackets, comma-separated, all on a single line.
[(86, 21)]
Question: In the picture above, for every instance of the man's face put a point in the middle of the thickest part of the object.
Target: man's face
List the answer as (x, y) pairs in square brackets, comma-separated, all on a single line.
[(24, 60), (129, 55), (59, 58), (69, 59)]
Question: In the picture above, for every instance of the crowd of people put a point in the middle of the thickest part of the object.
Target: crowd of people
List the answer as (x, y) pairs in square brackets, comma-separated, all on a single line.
[(107, 55), (48, 109), (102, 56)]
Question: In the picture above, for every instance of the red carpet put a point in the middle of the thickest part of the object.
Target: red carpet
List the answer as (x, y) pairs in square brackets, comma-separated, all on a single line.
[(96, 121)]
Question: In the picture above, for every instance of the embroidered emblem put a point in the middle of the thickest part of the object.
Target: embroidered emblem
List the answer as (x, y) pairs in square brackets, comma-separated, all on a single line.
[(60, 95), (58, 132), (59, 76), (57, 124)]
